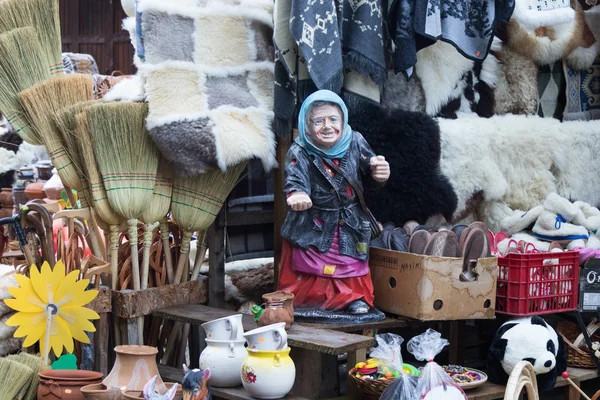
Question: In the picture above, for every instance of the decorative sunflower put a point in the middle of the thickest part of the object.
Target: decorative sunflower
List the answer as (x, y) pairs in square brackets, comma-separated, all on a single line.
[(51, 308)]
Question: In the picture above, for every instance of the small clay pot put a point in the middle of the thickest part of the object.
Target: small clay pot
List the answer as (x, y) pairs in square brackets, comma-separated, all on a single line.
[(98, 391), (6, 199), (65, 384), (279, 308), (138, 395), (35, 191)]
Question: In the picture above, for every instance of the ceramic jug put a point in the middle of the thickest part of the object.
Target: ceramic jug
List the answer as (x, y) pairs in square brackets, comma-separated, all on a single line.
[(278, 308), (271, 337), (134, 366), (268, 374), (225, 359), (227, 328)]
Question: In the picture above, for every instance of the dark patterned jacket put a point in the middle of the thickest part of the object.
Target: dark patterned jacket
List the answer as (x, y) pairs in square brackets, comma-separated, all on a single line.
[(334, 204)]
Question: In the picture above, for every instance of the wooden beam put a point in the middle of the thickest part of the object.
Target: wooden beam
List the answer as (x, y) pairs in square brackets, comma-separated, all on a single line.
[(137, 303), (216, 262), (280, 203), (103, 302)]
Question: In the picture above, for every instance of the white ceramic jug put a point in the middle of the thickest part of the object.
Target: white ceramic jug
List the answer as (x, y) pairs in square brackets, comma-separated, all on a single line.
[(225, 359), (227, 328), (270, 337), (128, 7)]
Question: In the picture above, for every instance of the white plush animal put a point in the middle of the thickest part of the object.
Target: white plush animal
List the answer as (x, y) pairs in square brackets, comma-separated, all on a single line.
[(150, 392)]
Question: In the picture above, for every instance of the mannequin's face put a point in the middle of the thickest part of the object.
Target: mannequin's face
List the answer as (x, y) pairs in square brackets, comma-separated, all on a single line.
[(325, 126)]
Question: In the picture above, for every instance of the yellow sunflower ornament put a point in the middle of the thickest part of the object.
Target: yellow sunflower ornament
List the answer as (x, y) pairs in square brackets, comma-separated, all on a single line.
[(51, 309)]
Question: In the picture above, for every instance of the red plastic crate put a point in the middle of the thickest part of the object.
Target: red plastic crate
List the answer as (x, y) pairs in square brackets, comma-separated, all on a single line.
[(537, 283)]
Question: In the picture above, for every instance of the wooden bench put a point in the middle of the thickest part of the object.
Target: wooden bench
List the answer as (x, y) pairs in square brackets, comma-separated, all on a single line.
[(491, 391), (315, 351)]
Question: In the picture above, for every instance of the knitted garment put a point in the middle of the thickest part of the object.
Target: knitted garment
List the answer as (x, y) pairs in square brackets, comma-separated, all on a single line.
[(208, 70), (340, 46)]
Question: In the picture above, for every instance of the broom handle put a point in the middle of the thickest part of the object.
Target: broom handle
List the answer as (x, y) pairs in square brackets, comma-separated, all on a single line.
[(183, 255), (148, 229), (200, 253), (135, 268), (164, 235), (114, 256)]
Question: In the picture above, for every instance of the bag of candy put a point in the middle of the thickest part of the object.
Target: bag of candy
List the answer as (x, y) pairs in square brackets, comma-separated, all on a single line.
[(389, 357), (434, 382)]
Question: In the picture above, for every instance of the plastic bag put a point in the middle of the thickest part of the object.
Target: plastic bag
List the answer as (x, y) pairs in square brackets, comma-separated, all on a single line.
[(389, 355), (434, 382)]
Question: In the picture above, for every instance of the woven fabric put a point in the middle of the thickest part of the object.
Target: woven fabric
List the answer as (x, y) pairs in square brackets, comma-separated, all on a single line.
[(78, 63), (551, 85), (208, 68), (583, 93)]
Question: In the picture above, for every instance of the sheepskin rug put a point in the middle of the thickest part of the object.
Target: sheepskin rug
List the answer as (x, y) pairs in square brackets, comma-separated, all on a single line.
[(516, 160)]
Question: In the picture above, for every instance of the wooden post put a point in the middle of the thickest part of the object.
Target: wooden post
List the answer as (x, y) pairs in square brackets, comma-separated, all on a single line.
[(279, 202), (319, 374), (353, 358), (216, 262)]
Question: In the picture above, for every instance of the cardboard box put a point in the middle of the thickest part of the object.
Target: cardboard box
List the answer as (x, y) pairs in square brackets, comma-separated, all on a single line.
[(429, 288)]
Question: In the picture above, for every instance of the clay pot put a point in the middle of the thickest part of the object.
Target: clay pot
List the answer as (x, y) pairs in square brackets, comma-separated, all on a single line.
[(279, 308), (137, 395), (98, 391), (6, 199), (35, 191), (65, 384), (134, 366)]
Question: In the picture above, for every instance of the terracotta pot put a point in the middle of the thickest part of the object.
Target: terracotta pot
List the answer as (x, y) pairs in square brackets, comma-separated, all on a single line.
[(35, 191), (65, 384), (6, 199), (137, 395), (98, 391), (134, 366), (279, 308)]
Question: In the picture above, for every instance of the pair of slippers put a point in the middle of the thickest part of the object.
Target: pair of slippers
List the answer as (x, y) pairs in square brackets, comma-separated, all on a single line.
[(465, 241)]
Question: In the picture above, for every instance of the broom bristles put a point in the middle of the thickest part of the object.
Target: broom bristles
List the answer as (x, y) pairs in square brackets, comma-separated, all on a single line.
[(127, 157), (17, 73), (42, 102), (37, 365), (98, 196), (14, 377), (44, 16), (161, 196), (198, 199)]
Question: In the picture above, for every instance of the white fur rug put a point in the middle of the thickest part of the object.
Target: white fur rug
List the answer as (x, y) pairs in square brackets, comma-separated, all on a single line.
[(516, 160)]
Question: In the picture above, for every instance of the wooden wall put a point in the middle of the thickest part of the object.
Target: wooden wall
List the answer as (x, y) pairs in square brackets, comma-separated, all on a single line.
[(94, 27)]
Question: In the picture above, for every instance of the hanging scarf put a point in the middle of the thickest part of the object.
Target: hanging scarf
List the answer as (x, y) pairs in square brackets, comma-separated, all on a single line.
[(303, 140)]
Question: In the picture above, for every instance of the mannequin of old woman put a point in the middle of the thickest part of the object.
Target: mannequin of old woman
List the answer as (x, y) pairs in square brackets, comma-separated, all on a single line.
[(326, 233)]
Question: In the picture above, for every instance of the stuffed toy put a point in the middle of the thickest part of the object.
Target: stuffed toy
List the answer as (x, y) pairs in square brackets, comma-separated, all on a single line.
[(530, 339)]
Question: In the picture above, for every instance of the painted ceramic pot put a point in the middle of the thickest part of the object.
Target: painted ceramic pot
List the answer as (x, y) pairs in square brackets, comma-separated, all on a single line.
[(134, 366), (65, 384), (100, 392), (269, 338), (225, 359), (268, 374)]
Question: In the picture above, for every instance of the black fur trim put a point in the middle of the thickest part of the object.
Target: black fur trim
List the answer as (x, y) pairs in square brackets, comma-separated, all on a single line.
[(539, 321)]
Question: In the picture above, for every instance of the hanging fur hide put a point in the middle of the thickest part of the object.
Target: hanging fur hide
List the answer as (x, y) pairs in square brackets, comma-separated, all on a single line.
[(589, 48), (516, 89), (14, 153), (506, 162), (454, 84), (410, 142), (545, 44), (402, 94)]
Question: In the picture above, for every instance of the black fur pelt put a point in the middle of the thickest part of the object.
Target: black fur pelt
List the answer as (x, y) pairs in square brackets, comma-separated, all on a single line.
[(410, 142)]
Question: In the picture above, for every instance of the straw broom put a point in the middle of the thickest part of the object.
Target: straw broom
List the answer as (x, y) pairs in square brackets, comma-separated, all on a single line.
[(44, 16), (18, 72), (157, 210), (14, 377), (37, 365), (128, 161), (41, 104), (196, 203)]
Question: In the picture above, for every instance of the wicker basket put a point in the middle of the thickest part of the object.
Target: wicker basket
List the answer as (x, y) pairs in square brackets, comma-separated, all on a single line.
[(576, 357), (371, 390)]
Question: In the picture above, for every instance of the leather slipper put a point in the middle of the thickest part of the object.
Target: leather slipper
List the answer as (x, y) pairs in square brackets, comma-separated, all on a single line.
[(409, 226), (476, 245), (442, 244), (468, 229), (418, 241), (458, 230)]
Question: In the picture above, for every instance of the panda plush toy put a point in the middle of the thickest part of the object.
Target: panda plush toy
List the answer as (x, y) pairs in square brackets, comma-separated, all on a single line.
[(530, 339)]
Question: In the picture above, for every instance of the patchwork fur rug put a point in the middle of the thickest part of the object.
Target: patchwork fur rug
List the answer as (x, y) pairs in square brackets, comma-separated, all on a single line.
[(208, 71), (583, 56), (506, 163)]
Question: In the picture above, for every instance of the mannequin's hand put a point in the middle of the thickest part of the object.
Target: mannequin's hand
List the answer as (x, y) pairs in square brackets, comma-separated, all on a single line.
[(380, 169), (299, 201)]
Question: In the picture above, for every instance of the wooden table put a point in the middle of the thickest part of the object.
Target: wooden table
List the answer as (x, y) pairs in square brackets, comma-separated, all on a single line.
[(490, 391), (314, 350)]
